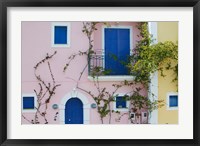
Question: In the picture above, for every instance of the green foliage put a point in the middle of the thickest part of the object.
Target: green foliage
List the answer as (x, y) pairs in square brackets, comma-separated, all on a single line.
[(148, 58), (142, 102)]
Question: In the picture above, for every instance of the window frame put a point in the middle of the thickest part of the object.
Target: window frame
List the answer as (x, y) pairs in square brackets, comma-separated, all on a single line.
[(67, 24), (114, 77), (168, 100), (116, 27), (121, 109), (35, 102)]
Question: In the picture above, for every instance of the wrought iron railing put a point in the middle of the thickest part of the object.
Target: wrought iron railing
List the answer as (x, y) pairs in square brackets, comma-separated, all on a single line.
[(96, 63)]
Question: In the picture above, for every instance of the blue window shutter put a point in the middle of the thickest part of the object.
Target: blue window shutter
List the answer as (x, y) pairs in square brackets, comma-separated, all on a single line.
[(120, 102), (173, 101), (60, 35), (117, 50), (123, 50), (111, 44), (28, 103)]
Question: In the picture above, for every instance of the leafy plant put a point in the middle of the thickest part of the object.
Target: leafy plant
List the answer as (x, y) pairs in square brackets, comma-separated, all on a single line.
[(148, 58)]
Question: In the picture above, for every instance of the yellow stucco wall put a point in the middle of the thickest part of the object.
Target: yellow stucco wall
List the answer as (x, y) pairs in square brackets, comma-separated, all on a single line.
[(167, 31)]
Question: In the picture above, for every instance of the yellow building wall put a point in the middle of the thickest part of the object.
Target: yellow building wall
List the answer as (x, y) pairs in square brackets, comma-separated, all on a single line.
[(167, 31)]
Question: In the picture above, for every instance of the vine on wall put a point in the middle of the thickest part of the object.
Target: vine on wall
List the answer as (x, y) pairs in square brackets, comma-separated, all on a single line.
[(44, 95), (148, 58)]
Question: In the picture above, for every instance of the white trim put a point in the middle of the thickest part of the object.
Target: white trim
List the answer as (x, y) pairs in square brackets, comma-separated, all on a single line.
[(167, 100), (112, 78), (35, 102), (68, 34), (121, 109), (153, 86), (119, 27), (152, 26), (86, 107)]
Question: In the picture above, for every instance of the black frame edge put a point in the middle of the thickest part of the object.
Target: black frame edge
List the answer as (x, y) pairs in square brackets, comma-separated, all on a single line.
[(196, 69), (101, 3), (3, 75)]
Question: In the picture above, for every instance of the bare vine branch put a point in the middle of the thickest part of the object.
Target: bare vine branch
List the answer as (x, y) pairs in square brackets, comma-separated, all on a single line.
[(43, 97)]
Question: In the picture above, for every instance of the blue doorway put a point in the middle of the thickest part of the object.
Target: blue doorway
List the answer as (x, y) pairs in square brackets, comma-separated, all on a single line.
[(74, 111), (117, 50)]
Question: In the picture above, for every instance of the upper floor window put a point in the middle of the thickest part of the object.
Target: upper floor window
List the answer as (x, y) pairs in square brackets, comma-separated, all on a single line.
[(60, 34), (115, 54)]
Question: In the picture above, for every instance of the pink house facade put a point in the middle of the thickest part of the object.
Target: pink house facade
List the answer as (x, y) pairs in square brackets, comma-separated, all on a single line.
[(40, 38)]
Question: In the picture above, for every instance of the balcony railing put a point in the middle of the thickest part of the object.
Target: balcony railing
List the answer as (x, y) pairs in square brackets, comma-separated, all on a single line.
[(96, 65)]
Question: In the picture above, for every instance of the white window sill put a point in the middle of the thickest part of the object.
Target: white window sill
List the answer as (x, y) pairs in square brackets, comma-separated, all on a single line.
[(172, 108), (29, 110), (121, 109), (112, 78), (60, 45)]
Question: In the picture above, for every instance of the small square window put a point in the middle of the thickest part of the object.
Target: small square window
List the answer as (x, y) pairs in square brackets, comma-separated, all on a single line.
[(173, 101), (28, 102), (60, 35), (120, 102)]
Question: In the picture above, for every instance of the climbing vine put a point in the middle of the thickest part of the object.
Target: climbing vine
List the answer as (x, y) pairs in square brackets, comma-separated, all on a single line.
[(46, 92), (148, 57)]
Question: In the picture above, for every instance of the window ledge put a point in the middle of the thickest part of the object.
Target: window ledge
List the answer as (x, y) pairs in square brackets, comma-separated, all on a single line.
[(29, 110), (172, 108), (112, 78), (60, 46), (121, 109)]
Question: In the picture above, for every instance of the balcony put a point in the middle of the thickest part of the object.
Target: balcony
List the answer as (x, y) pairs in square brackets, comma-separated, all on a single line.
[(107, 69)]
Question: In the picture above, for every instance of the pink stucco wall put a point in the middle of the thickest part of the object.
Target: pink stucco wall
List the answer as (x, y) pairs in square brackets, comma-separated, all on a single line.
[(36, 43)]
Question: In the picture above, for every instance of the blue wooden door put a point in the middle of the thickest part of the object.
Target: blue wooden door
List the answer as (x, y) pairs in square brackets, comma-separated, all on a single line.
[(74, 111), (117, 50)]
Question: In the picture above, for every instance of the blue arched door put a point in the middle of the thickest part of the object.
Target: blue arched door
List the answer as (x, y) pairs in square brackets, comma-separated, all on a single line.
[(74, 111)]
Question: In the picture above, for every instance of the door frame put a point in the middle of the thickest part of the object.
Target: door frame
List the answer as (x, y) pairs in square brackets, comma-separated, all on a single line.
[(118, 27), (78, 109), (86, 107)]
